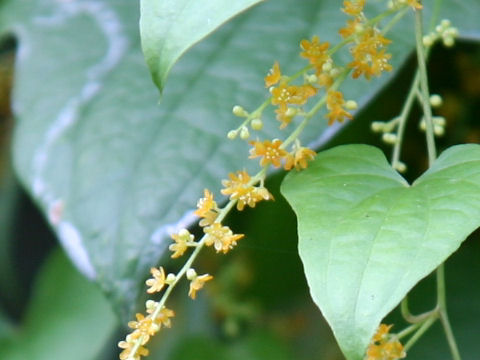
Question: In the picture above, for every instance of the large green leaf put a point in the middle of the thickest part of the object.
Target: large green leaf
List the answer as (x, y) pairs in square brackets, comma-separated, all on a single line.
[(113, 171), (68, 317), (366, 237), (169, 28)]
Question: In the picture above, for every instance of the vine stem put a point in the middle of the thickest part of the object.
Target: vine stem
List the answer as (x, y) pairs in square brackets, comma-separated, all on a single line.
[(422, 71), (427, 112), (441, 299)]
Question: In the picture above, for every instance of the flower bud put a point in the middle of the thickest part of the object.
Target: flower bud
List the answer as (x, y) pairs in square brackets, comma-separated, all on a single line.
[(445, 23), (239, 111), (327, 66), (170, 278), (232, 134), (291, 112), (184, 234), (438, 130), (422, 125), (191, 274), (311, 79), (244, 133), (436, 100), (400, 167), (448, 41), (150, 304), (256, 124), (351, 105), (439, 120), (428, 40), (334, 72), (377, 126), (389, 138)]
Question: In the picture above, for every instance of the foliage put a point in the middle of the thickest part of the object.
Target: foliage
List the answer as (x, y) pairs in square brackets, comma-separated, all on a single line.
[(115, 173)]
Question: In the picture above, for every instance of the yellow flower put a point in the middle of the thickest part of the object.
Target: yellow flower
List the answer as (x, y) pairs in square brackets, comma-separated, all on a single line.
[(250, 196), (238, 189), (157, 282), (325, 79), (197, 283), (300, 158), (384, 347), (241, 178), (127, 352), (382, 332), (221, 237), (315, 52), (285, 115), (163, 317), (285, 94), (270, 152), (144, 327), (415, 4), (182, 241), (354, 7), (352, 28), (273, 76), (369, 58), (335, 102), (207, 209)]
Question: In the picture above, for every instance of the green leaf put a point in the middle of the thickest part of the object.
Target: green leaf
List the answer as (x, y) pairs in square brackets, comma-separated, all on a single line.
[(366, 237), (114, 172), (169, 28), (68, 317)]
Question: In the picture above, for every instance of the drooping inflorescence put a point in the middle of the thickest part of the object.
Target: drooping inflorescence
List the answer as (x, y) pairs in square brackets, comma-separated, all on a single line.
[(318, 88)]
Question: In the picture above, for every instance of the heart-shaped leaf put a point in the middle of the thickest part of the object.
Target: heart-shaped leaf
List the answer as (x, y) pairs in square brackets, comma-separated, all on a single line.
[(169, 27), (366, 237)]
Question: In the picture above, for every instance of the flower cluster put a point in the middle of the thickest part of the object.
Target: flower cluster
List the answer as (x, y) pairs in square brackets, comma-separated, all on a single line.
[(286, 96), (272, 153), (300, 157), (146, 326), (384, 346), (444, 31), (368, 51), (221, 237), (240, 189), (336, 104)]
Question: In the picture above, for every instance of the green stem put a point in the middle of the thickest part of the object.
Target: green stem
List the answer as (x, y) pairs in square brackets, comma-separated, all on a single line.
[(422, 69), (415, 319), (395, 19), (407, 331), (425, 326), (442, 303)]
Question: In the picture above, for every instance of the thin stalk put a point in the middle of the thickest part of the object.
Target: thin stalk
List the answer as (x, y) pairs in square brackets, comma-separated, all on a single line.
[(415, 319), (427, 111), (442, 303), (407, 331), (425, 326), (422, 69)]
